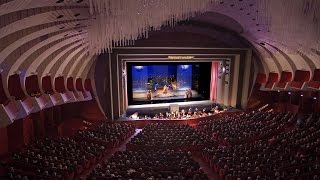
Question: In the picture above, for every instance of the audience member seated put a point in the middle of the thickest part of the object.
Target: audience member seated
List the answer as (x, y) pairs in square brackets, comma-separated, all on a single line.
[(291, 153), (169, 135), (246, 126), (67, 158), (150, 164), (107, 134), (55, 158)]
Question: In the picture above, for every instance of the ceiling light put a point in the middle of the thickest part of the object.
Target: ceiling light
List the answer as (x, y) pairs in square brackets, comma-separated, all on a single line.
[(121, 22)]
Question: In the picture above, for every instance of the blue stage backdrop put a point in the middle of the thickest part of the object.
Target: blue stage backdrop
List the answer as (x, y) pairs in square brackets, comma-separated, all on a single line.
[(159, 82), (184, 77), (139, 78)]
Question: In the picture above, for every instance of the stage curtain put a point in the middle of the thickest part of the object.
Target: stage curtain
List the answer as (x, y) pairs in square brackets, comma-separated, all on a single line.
[(214, 81)]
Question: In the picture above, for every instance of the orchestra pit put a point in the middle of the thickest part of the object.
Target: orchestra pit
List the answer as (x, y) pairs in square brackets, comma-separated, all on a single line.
[(159, 89)]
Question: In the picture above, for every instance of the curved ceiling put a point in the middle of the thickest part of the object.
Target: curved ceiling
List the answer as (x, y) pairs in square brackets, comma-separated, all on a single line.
[(50, 37)]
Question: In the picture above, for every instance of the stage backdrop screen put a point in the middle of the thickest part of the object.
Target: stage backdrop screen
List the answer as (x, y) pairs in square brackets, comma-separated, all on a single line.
[(168, 82)]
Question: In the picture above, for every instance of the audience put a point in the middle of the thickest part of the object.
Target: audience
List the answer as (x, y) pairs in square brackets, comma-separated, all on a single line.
[(291, 152), (67, 158), (248, 145), (150, 164), (169, 135), (107, 134)]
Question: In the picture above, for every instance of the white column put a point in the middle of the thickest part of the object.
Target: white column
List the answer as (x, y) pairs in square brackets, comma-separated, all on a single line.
[(235, 80), (220, 90), (227, 83), (246, 79)]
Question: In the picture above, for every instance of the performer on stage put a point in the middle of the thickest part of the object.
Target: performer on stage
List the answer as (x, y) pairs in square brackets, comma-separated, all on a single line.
[(149, 95), (165, 89), (155, 86)]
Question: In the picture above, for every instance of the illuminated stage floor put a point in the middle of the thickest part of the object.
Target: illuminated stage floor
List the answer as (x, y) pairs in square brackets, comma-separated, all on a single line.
[(151, 109), (167, 105), (159, 95)]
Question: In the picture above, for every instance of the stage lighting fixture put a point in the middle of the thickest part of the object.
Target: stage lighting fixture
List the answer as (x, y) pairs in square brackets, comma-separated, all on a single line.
[(180, 57), (139, 68), (184, 67)]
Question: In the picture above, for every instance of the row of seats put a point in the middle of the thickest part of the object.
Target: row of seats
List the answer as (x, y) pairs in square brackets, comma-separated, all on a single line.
[(65, 158), (246, 127), (149, 164), (292, 153), (169, 135), (301, 81), (161, 151), (18, 101), (107, 134)]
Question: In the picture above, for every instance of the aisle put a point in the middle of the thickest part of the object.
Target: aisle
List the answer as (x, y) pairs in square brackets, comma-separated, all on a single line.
[(206, 168), (122, 147)]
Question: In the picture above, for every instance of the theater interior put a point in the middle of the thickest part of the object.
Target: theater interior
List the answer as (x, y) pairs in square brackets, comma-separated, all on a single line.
[(160, 89)]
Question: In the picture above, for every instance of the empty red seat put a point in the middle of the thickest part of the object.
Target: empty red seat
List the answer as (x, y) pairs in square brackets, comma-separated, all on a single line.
[(79, 85), (272, 79), (315, 82), (15, 88), (59, 84), (47, 85), (3, 98), (32, 85), (261, 78), (285, 78), (70, 84), (300, 78)]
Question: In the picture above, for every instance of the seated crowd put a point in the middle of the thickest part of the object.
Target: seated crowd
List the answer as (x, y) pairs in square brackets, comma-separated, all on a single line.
[(246, 127), (107, 134), (65, 158), (149, 164), (160, 151), (169, 135), (54, 158), (292, 153), (251, 145)]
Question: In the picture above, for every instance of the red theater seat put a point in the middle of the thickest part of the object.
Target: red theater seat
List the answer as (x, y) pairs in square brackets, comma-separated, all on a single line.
[(32, 85), (272, 79), (88, 85), (70, 84), (67, 96), (15, 88), (315, 82), (300, 79), (59, 84), (47, 85), (261, 78), (3, 98), (79, 85), (286, 77)]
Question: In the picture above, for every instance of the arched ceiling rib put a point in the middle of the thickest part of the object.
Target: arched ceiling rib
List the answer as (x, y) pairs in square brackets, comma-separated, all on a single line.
[(48, 37)]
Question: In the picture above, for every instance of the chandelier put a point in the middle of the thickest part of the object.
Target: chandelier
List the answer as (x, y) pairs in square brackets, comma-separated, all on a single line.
[(294, 23), (121, 22)]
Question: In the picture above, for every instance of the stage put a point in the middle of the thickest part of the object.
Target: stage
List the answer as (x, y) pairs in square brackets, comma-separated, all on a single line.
[(159, 95), (151, 109)]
